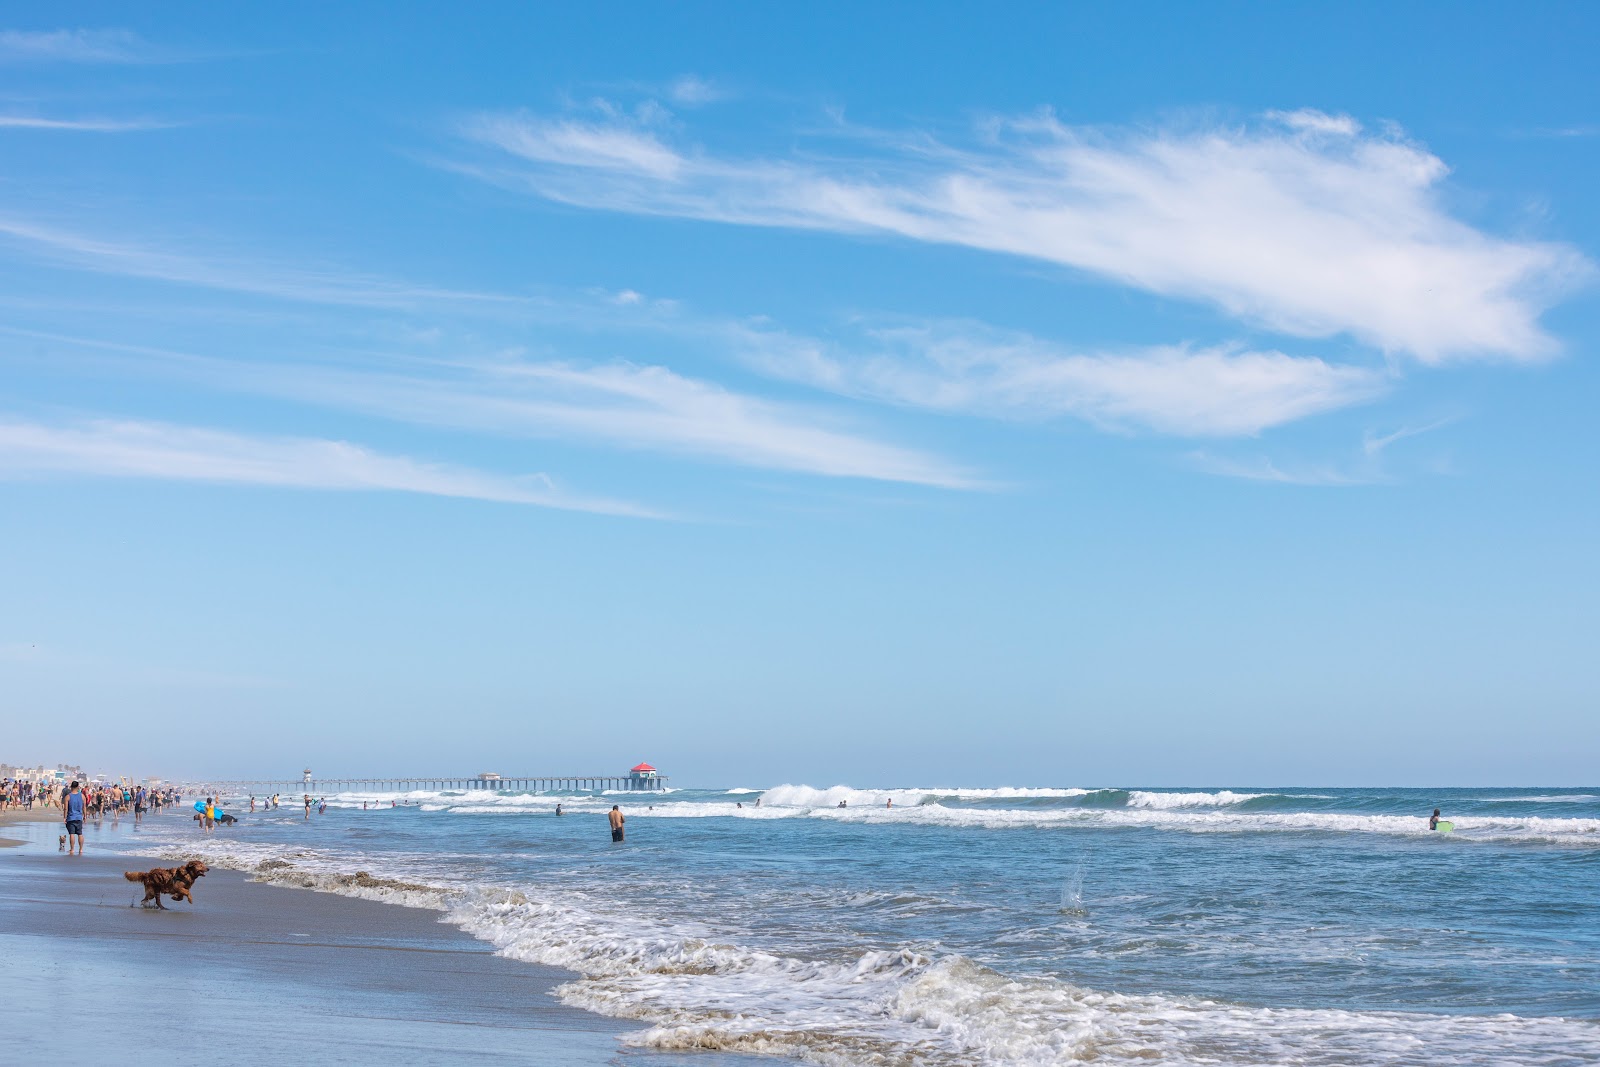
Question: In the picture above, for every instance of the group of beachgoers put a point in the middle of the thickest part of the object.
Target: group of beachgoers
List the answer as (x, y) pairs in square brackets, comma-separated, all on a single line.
[(79, 803), (320, 805), (18, 795), (99, 801)]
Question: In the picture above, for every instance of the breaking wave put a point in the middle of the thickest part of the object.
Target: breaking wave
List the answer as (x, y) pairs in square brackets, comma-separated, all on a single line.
[(693, 987), (1005, 808), (1564, 798)]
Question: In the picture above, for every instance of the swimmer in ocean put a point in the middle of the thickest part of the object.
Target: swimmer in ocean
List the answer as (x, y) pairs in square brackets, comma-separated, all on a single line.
[(1433, 823)]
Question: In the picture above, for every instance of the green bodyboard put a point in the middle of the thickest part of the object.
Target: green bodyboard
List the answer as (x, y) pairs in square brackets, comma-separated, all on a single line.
[(1445, 827)]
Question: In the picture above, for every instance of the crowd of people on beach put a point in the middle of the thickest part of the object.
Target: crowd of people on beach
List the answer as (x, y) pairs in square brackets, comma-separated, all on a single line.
[(90, 801), (82, 803), (99, 801), (17, 795)]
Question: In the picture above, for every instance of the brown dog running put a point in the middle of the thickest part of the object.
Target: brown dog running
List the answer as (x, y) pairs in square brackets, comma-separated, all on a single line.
[(184, 878), (175, 882)]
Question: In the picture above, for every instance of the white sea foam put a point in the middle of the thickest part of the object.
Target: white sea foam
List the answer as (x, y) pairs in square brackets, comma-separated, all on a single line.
[(1564, 798), (805, 796), (1198, 812), (1582, 832), (692, 988), (1140, 798)]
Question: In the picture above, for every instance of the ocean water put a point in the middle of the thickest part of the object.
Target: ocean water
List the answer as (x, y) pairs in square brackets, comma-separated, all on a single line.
[(1001, 927)]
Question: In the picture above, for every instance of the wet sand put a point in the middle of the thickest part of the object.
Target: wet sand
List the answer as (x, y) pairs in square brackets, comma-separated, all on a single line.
[(253, 973), (38, 813)]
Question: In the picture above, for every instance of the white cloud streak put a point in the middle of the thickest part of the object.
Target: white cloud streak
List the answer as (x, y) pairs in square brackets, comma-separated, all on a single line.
[(89, 125), (960, 368), (1304, 224), (153, 450), (1262, 469), (1370, 467), (72, 46), (952, 368), (1375, 444), (278, 281), (1309, 120), (580, 145), (692, 91), (619, 405)]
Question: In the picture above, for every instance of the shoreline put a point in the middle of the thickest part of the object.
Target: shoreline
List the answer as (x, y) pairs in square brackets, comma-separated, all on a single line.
[(253, 970)]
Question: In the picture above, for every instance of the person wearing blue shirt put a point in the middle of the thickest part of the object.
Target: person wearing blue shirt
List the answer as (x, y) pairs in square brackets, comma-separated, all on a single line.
[(72, 808)]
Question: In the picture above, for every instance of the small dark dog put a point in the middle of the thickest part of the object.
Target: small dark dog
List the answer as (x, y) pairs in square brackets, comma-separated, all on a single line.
[(175, 882), (61, 843)]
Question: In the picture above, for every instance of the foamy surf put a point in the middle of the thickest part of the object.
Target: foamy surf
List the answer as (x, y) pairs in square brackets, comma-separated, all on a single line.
[(1047, 808), (1584, 833), (1140, 798), (694, 985)]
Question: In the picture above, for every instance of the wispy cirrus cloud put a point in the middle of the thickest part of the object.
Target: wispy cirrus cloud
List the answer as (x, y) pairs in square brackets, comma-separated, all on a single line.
[(618, 405), (623, 404), (163, 451), (690, 90), (969, 369), (1562, 132), (73, 46), (257, 277), (957, 368), (1264, 469), (638, 407), (579, 145), (1375, 444), (1370, 467), (1304, 222), (82, 125)]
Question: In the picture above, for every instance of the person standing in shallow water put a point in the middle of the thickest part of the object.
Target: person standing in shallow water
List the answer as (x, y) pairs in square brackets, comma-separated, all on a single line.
[(616, 823), (72, 812)]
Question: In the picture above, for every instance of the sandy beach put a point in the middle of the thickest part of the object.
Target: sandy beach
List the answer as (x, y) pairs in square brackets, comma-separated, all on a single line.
[(254, 973)]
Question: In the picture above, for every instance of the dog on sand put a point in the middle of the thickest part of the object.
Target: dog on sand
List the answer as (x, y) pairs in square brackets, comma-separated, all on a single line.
[(175, 882)]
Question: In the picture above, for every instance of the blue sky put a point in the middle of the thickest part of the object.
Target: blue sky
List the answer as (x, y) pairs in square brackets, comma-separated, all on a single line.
[(914, 395)]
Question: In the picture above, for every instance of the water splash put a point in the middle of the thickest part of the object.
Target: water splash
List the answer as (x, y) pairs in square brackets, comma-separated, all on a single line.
[(1072, 891)]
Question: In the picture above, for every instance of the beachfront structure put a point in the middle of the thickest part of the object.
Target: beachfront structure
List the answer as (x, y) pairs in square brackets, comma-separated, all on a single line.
[(642, 777), (41, 774)]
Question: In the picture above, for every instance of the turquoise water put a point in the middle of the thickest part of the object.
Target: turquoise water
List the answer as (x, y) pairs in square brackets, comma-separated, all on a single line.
[(1025, 926)]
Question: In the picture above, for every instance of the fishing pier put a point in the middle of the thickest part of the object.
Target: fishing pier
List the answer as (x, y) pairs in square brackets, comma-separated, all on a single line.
[(643, 778)]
